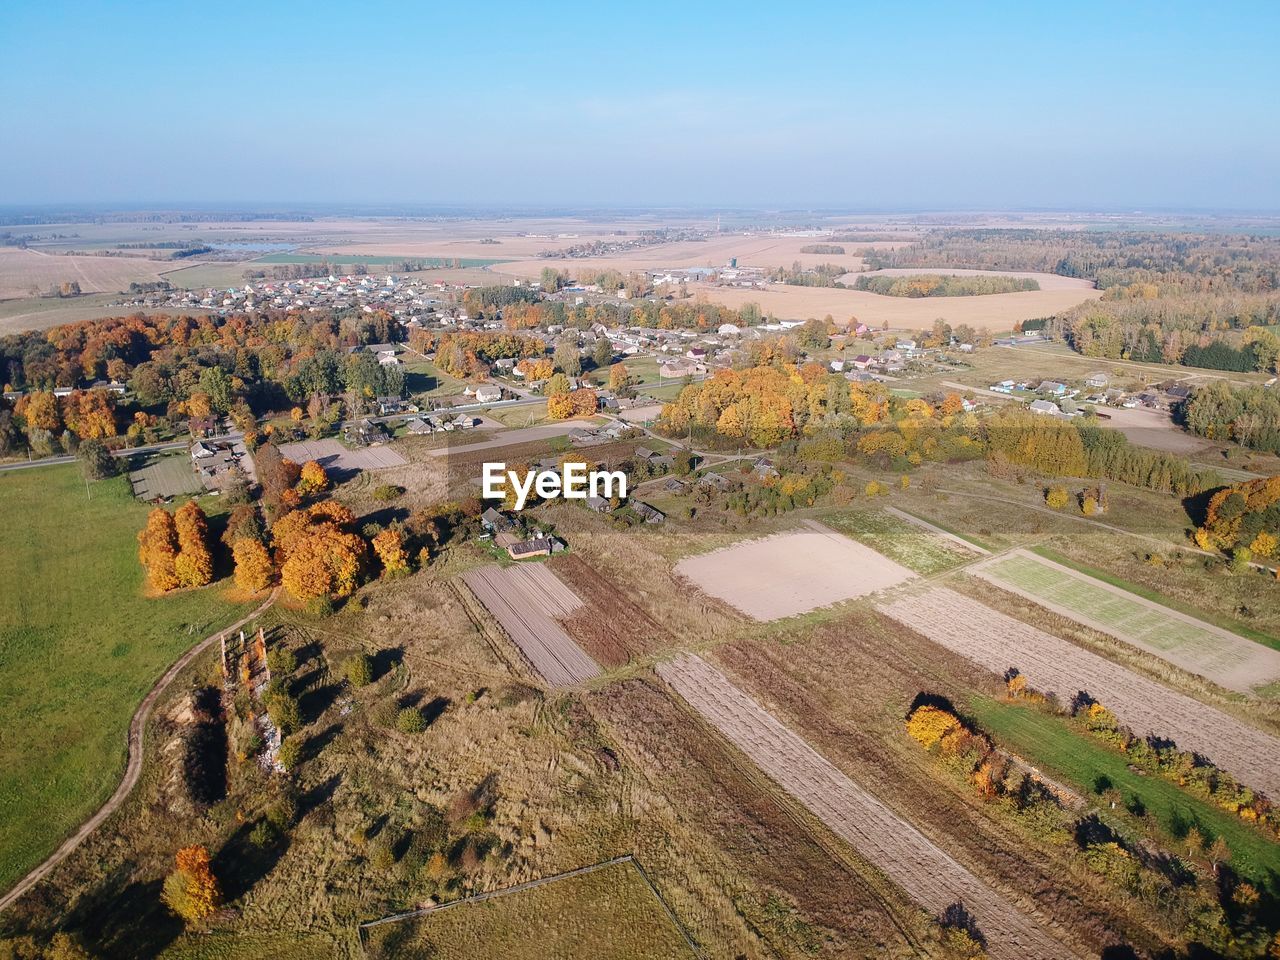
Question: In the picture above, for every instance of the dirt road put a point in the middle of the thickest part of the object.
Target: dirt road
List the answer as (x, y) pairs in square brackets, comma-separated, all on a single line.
[(133, 770)]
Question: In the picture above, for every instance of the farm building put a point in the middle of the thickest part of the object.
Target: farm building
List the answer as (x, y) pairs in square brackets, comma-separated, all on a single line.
[(647, 513), (715, 481), (537, 547)]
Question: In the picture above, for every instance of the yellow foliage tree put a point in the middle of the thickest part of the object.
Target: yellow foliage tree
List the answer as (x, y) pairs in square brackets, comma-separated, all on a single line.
[(194, 564), (388, 544), (158, 549), (312, 479), (1056, 498), (324, 561), (254, 569), (559, 407), (928, 724)]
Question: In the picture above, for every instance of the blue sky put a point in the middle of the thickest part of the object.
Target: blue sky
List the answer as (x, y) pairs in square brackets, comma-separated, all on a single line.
[(873, 106)]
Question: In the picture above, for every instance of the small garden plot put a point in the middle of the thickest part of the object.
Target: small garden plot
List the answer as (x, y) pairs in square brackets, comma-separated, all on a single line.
[(791, 573), (1052, 665), (912, 546), (1202, 648), (608, 912), (527, 601)]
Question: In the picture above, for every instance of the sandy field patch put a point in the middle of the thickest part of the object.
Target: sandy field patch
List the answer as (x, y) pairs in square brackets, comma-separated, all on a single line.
[(927, 874), (791, 573), (1154, 429), (526, 601), (26, 272), (332, 455), (997, 642), (1219, 655)]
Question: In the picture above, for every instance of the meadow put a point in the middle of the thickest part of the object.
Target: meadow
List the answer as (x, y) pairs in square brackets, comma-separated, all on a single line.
[(80, 645), (911, 546)]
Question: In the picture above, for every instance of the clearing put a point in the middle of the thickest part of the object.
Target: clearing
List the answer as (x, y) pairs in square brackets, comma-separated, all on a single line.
[(80, 645), (332, 455), (998, 642), (527, 601), (791, 573), (926, 873), (1216, 654), (606, 912)]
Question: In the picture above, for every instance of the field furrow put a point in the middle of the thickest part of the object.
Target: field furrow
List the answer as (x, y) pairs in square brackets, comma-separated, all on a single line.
[(1051, 664), (925, 872)]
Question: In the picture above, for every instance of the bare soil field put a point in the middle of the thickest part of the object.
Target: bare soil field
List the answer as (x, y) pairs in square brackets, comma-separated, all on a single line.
[(609, 626), (929, 875), (1219, 655), (791, 573), (24, 273), (1154, 429), (526, 601), (512, 437), (1051, 664), (332, 455)]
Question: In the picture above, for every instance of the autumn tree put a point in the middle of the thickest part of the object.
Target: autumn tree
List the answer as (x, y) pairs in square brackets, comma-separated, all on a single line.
[(96, 460), (559, 407), (388, 544), (928, 724), (1056, 498), (192, 891), (312, 479), (584, 402), (194, 563), (254, 569), (319, 555), (158, 550)]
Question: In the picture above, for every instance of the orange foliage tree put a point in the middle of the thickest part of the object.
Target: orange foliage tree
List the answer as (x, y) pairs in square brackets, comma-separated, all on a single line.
[(192, 891), (388, 544), (319, 555), (194, 563), (254, 569), (158, 549), (312, 479)]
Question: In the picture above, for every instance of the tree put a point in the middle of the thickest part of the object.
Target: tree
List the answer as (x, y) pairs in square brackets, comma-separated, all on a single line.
[(324, 561), (411, 720), (556, 386), (619, 378), (585, 402), (158, 550), (290, 753), (1056, 498), (96, 461), (359, 670), (388, 544), (559, 407), (927, 725), (194, 563), (312, 479), (567, 359), (64, 946), (192, 891), (254, 569), (602, 352), (1218, 853)]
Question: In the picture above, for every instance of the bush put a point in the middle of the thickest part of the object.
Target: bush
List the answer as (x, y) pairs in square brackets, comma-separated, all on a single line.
[(411, 720), (281, 662), (1056, 498), (387, 491), (290, 753), (359, 670), (284, 713)]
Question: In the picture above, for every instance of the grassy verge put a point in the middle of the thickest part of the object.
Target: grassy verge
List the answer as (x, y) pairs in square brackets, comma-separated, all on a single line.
[(79, 647), (1226, 623), (1091, 767)]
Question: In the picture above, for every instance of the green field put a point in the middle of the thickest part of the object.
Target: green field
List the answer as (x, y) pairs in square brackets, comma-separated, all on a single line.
[(424, 378), (79, 647), (909, 545), (608, 914), (1088, 765)]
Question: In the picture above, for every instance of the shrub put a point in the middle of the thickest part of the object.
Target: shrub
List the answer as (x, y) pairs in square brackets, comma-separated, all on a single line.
[(290, 753), (1056, 498), (281, 662), (387, 491), (359, 670), (927, 725), (411, 720)]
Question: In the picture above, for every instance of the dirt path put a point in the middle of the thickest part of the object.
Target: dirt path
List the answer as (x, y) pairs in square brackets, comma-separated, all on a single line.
[(133, 770), (928, 875)]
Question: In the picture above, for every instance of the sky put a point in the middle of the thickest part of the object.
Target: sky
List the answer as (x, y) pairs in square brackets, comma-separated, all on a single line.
[(867, 106)]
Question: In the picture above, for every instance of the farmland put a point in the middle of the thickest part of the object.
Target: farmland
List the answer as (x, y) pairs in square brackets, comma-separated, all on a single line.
[(80, 644), (610, 913), (1223, 657), (925, 872), (999, 642), (791, 573), (915, 548)]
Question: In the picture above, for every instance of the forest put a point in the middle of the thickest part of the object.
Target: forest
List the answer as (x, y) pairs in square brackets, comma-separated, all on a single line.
[(1249, 416), (937, 285)]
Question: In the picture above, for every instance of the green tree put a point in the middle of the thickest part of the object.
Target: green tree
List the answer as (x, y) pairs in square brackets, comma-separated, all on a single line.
[(96, 461)]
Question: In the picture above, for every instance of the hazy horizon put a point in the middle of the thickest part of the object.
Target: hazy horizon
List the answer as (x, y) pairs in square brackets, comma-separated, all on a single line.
[(1148, 108)]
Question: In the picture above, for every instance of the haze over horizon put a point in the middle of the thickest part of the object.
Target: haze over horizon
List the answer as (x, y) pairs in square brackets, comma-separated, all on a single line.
[(1168, 106)]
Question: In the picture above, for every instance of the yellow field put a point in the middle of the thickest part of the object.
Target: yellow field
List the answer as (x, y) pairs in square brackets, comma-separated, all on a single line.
[(24, 273)]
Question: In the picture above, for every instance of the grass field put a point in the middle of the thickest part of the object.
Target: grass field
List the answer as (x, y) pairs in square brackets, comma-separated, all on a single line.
[(350, 259), (1091, 767), (79, 647), (898, 540), (424, 378), (607, 914)]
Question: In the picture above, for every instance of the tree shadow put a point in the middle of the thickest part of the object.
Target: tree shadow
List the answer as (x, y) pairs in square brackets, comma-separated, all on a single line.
[(384, 661), (314, 746), (129, 923), (241, 863)]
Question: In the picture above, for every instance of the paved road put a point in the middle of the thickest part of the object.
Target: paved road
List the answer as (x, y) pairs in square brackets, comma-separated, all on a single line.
[(133, 770), (522, 435)]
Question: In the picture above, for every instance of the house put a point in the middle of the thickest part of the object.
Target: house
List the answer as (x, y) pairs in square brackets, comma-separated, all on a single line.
[(495, 521), (653, 458), (696, 353), (598, 504), (486, 393), (673, 485), (367, 433), (715, 481), (1045, 408), (1004, 386), (1052, 387), (676, 369), (837, 366), (647, 513), (862, 361), (1097, 380), (763, 468), (419, 426), (537, 547)]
